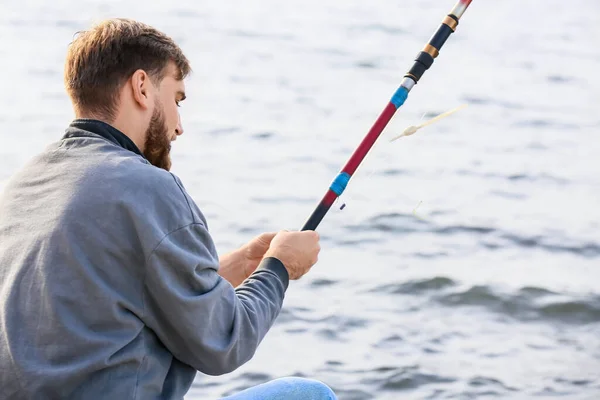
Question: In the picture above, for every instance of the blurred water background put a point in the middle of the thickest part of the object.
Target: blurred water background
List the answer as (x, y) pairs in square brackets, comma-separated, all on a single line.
[(466, 263)]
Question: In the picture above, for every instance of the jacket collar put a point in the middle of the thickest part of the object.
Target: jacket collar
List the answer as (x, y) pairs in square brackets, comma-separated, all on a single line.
[(102, 129)]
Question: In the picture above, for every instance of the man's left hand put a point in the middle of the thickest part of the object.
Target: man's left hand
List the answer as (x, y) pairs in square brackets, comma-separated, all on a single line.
[(254, 251), (241, 263)]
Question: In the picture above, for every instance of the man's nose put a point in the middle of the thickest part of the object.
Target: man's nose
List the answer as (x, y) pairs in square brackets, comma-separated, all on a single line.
[(179, 128)]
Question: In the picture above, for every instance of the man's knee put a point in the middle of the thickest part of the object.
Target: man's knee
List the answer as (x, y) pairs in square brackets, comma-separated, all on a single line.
[(310, 389), (287, 388)]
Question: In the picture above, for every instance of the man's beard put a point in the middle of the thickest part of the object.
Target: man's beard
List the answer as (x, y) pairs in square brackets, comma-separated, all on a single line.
[(158, 145)]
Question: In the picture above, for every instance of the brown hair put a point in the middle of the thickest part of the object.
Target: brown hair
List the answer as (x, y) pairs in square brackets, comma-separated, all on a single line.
[(101, 59)]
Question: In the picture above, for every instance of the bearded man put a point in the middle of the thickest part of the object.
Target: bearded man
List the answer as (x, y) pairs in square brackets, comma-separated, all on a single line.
[(110, 283)]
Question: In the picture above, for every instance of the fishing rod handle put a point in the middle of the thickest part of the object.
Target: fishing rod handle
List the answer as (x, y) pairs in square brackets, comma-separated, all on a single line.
[(316, 217)]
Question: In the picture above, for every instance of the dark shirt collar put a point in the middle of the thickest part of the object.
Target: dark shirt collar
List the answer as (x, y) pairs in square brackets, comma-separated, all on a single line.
[(82, 127)]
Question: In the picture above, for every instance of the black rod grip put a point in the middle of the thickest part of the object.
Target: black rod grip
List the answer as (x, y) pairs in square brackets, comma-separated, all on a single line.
[(317, 216)]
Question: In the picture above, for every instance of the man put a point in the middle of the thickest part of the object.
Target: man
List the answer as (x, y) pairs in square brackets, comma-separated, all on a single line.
[(110, 283)]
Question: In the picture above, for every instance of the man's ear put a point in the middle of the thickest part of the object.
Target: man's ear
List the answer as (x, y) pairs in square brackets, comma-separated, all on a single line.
[(140, 84)]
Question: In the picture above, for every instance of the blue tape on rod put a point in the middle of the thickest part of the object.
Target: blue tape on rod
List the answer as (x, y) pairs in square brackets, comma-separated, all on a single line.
[(400, 96), (339, 183)]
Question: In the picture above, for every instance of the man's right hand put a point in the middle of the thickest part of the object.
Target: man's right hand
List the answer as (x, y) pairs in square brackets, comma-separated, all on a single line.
[(298, 251)]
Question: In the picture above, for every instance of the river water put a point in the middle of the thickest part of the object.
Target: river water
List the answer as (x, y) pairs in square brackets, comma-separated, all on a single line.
[(466, 263)]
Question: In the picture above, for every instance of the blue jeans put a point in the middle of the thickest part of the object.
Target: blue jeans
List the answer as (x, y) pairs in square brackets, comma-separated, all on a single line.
[(286, 389)]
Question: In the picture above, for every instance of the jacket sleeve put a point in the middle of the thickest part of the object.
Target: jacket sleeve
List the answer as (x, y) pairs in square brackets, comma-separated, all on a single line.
[(197, 314)]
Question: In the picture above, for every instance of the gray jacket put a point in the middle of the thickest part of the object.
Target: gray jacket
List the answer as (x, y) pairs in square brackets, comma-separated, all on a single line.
[(108, 279)]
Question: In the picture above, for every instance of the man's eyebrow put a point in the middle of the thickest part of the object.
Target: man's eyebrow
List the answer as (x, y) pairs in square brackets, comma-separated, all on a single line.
[(182, 94)]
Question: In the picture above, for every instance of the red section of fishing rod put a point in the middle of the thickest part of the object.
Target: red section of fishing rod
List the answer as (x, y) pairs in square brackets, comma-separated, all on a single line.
[(351, 166), (361, 152)]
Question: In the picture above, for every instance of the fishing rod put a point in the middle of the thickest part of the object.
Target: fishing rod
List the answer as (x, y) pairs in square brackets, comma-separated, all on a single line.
[(422, 63)]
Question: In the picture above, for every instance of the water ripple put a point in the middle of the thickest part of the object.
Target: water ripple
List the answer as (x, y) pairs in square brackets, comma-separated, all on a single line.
[(417, 286), (487, 382), (520, 177), (488, 237), (490, 101), (318, 283), (387, 29), (394, 378), (528, 304), (261, 35)]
